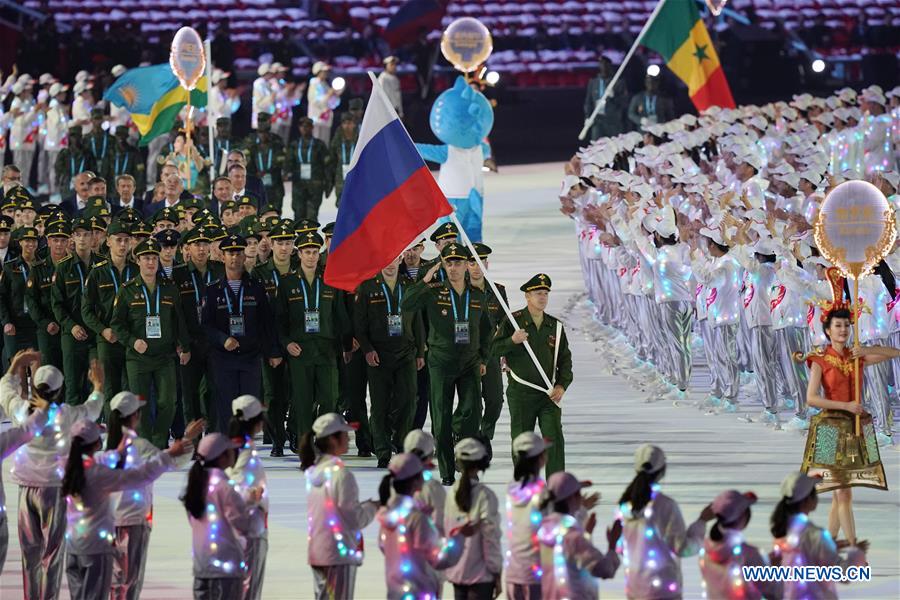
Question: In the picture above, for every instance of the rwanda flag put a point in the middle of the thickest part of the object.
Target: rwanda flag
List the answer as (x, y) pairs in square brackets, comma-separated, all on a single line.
[(154, 98), (681, 38)]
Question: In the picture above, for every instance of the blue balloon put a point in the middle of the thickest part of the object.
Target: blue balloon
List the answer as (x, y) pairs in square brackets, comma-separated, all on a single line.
[(461, 116)]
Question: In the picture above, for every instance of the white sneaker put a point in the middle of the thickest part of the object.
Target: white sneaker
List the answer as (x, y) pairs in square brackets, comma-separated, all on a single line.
[(728, 407), (710, 404), (770, 419), (677, 397), (789, 403), (797, 424), (658, 393), (884, 440)]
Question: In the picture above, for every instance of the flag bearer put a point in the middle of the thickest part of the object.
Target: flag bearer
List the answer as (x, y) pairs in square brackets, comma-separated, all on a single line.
[(528, 401)]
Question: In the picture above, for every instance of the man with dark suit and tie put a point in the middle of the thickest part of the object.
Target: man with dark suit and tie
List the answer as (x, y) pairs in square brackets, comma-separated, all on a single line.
[(125, 196), (222, 191), (238, 176), (74, 204), (172, 188), (248, 185)]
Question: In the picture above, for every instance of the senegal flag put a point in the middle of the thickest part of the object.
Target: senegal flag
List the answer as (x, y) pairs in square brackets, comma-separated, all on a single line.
[(681, 38), (154, 98)]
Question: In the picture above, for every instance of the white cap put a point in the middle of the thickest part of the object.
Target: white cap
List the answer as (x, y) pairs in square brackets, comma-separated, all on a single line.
[(275, 67), (218, 75), (649, 458), (329, 424), (530, 443), (45, 79), (118, 70), (419, 440), (57, 88), (390, 59), (82, 76), (126, 403), (88, 431), (213, 445), (469, 449), (250, 407), (320, 66), (405, 465), (263, 69), (48, 375), (713, 234), (18, 87), (82, 87), (730, 505), (564, 485), (797, 486)]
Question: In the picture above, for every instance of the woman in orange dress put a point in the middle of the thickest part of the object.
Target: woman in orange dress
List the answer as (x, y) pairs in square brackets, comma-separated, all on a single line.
[(834, 451)]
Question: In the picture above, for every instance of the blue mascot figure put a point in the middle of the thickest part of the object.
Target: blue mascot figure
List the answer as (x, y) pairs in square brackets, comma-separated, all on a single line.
[(461, 118)]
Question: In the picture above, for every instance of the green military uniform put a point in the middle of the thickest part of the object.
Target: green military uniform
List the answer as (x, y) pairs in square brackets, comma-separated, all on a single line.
[(529, 402), (275, 379), (459, 335), (381, 326), (72, 160), (100, 290), (265, 157), (125, 159), (305, 163), (313, 315), (13, 310), (352, 383), (445, 231), (154, 316), (100, 145), (39, 303), (342, 149), (492, 381), (196, 385), (65, 300)]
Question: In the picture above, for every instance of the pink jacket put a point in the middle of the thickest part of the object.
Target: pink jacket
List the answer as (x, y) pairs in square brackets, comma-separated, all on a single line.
[(720, 566), (335, 517), (413, 549), (523, 519), (570, 562)]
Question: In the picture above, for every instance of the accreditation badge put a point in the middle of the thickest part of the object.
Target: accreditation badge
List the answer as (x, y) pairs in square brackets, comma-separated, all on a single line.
[(267, 180), (344, 170), (153, 327), (394, 325), (236, 325), (311, 321), (305, 171), (461, 332)]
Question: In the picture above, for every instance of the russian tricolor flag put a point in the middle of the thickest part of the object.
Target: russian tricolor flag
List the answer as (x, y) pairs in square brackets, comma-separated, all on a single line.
[(389, 198)]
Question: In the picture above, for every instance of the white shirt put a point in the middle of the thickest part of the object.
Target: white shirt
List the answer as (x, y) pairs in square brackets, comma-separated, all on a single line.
[(41, 462), (81, 111), (390, 83), (320, 105), (263, 99), (227, 519), (13, 438), (56, 126), (248, 473), (481, 560), (90, 519)]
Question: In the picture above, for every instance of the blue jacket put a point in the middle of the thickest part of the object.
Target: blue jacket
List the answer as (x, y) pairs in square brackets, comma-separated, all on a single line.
[(259, 321)]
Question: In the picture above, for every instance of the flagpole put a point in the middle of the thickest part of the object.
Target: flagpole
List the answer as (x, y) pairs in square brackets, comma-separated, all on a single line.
[(376, 89), (499, 296), (601, 103), (209, 121)]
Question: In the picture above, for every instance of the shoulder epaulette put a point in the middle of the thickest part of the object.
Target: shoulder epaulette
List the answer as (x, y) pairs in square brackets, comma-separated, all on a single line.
[(101, 263), (435, 284), (64, 259), (519, 313)]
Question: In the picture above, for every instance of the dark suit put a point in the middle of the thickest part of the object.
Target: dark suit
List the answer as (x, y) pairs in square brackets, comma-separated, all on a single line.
[(650, 105), (150, 207), (255, 188), (609, 123), (70, 206), (115, 205)]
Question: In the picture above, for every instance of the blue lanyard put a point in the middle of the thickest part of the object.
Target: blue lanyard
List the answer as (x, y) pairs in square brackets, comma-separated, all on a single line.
[(115, 278), (601, 87), (196, 286), (306, 295), (387, 297), (25, 272), (80, 273), (268, 162), (453, 304), (147, 299), (650, 106), (72, 166), (345, 160), (124, 165), (240, 299), (94, 146), (308, 152)]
